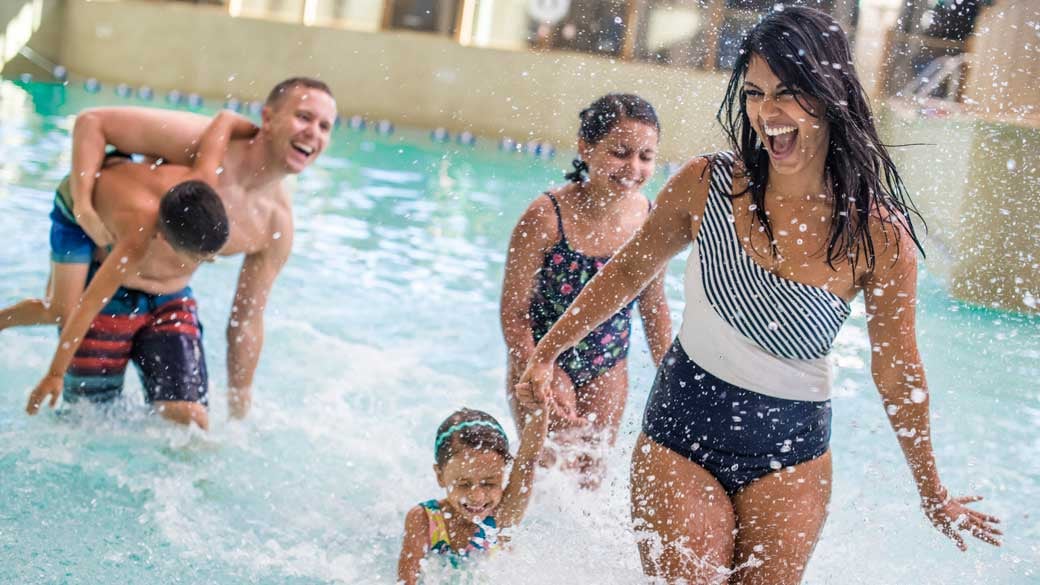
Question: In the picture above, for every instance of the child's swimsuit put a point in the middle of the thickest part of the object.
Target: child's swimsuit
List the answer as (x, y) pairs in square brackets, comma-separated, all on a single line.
[(564, 273), (484, 539), (160, 333)]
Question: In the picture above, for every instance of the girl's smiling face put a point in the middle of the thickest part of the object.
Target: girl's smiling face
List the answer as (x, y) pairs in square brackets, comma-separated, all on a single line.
[(474, 480), (788, 122), (623, 160)]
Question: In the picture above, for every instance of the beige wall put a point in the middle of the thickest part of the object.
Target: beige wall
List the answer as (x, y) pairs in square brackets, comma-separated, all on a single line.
[(36, 23), (408, 78), (1005, 60), (977, 183)]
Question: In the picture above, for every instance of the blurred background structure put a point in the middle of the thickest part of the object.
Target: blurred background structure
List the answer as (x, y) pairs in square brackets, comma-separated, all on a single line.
[(956, 76)]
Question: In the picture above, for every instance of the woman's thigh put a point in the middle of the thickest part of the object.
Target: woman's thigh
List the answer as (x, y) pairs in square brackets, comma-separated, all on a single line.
[(779, 519), (683, 517)]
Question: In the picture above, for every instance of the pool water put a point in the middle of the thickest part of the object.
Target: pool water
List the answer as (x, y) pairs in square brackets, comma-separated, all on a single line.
[(384, 321)]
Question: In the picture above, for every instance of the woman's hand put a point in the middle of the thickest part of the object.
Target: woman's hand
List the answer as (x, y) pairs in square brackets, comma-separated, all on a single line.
[(951, 515)]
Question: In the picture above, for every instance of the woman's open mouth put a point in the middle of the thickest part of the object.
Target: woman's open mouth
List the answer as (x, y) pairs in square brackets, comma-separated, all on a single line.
[(782, 140)]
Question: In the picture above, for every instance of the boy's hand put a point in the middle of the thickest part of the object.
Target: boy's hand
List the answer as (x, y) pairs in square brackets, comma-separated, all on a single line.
[(90, 221), (50, 386)]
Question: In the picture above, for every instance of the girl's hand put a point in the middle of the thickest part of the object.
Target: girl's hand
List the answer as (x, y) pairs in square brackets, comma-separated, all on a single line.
[(532, 390), (562, 398), (90, 221), (951, 515), (49, 387)]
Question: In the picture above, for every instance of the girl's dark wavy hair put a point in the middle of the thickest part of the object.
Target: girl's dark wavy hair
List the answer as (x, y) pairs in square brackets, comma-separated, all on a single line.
[(599, 119), (809, 52)]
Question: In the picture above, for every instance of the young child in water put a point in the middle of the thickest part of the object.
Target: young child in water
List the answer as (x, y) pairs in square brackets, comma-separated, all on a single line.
[(471, 453)]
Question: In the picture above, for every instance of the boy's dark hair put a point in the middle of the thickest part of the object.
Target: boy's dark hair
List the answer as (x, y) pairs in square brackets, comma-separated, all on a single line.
[(469, 429), (192, 218), (281, 90), (599, 119)]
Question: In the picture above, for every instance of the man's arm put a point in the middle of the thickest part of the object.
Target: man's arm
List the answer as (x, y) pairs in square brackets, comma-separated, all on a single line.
[(169, 135), (245, 331)]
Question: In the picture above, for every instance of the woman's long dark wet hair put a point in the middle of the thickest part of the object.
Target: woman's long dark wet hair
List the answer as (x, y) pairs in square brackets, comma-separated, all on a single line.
[(599, 119), (810, 53)]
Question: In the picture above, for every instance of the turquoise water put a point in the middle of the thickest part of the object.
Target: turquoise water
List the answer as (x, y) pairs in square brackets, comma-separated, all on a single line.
[(385, 321)]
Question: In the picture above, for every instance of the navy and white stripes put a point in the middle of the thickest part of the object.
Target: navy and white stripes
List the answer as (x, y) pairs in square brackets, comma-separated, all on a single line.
[(786, 318)]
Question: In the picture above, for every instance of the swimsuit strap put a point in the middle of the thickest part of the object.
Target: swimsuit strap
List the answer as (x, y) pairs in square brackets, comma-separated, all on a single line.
[(559, 216), (439, 537)]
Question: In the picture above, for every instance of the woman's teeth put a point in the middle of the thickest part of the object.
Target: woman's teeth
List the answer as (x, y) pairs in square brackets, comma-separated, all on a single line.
[(778, 130)]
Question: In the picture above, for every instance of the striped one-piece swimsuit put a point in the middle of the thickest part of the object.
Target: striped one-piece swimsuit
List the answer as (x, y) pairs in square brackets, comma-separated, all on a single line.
[(745, 388)]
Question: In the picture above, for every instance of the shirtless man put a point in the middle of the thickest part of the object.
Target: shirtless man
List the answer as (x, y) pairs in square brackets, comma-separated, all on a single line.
[(297, 121)]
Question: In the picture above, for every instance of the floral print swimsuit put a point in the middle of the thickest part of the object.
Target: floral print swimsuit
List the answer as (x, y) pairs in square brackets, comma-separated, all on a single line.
[(565, 271)]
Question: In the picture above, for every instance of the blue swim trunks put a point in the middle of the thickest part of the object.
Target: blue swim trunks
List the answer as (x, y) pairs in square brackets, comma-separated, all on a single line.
[(69, 243)]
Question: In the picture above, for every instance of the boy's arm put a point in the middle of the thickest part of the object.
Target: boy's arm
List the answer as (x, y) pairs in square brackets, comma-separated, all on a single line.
[(214, 141), (518, 491), (170, 135), (245, 331), (413, 547), (124, 259)]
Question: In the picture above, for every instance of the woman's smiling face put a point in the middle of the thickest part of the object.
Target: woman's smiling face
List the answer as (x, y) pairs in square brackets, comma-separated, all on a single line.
[(796, 138)]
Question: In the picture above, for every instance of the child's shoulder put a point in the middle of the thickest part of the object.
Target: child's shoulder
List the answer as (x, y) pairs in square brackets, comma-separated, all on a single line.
[(540, 216), (417, 515)]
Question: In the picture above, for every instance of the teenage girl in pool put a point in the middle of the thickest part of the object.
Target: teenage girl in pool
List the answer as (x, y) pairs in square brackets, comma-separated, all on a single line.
[(806, 213), (562, 240), (471, 453)]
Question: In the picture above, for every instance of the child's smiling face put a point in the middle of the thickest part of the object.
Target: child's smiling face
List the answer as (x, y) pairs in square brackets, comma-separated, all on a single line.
[(624, 159), (474, 480)]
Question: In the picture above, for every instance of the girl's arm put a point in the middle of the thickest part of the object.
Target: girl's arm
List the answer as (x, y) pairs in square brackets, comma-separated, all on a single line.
[(890, 293), (669, 229), (657, 320), (533, 235), (124, 259), (414, 546), (518, 490)]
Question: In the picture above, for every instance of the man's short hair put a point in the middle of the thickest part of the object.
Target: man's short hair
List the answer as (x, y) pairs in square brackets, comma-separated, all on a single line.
[(192, 218), (281, 90)]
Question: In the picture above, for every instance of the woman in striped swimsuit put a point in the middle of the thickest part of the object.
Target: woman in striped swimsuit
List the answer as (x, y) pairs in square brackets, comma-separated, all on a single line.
[(807, 212)]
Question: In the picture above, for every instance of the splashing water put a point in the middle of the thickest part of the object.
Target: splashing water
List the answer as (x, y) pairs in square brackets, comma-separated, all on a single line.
[(385, 321)]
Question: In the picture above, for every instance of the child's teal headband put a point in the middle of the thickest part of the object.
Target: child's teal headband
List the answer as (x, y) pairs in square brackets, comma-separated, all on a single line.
[(441, 438)]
